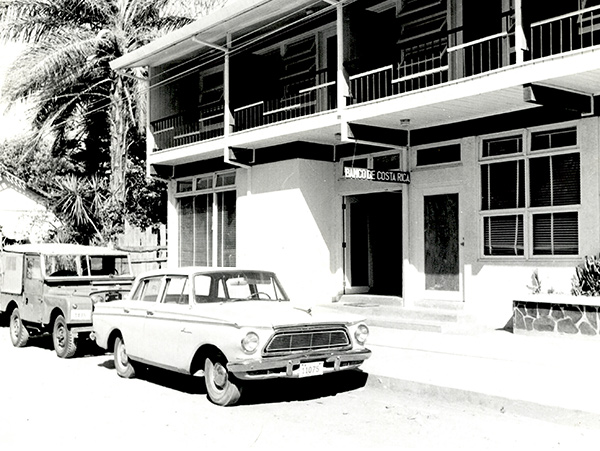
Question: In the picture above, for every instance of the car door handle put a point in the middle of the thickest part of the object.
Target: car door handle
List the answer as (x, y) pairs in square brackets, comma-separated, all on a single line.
[(126, 310), (185, 331), (149, 313)]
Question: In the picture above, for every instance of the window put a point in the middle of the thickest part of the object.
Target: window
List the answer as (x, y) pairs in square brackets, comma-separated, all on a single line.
[(530, 197), (386, 161), (438, 155), (202, 284), (176, 291), (207, 221), (147, 290)]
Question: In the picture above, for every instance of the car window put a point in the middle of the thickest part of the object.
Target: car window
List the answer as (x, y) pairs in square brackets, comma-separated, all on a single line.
[(147, 290), (253, 285), (33, 270), (175, 291), (63, 265), (103, 265), (202, 284)]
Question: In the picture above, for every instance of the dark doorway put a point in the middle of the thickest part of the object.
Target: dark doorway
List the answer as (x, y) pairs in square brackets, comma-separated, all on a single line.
[(374, 243)]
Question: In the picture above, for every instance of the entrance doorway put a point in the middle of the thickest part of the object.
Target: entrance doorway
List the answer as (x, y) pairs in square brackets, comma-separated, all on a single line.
[(373, 243), (441, 245)]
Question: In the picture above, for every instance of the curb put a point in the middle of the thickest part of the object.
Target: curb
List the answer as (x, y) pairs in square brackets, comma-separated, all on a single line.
[(556, 414)]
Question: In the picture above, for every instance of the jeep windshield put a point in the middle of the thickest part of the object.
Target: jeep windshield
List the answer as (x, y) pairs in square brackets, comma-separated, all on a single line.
[(86, 265)]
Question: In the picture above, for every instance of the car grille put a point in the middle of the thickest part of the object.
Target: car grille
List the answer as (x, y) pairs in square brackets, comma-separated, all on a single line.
[(305, 339)]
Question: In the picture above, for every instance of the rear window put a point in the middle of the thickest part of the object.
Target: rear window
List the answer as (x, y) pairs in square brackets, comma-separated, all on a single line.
[(86, 265)]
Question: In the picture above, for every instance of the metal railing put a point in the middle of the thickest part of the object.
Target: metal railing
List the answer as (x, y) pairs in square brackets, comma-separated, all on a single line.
[(418, 72), (189, 127), (481, 55), (315, 98), (572, 31)]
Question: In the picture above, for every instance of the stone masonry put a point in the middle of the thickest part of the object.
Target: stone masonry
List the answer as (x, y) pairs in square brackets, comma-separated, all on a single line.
[(560, 318)]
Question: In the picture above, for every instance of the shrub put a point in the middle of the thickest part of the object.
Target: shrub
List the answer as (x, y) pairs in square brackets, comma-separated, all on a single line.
[(586, 281)]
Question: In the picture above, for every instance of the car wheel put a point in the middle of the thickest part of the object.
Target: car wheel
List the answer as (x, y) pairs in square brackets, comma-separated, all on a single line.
[(18, 332), (222, 387), (123, 365), (63, 339)]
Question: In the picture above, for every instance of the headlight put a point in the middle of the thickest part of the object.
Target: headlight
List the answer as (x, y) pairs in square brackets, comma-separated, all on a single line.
[(250, 342), (97, 298), (361, 334)]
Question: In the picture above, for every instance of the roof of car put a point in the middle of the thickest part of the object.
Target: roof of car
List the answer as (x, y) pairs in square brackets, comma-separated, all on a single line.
[(187, 270), (61, 249)]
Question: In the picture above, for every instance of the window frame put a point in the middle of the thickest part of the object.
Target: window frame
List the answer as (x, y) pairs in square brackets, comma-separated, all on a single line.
[(527, 211), (214, 188)]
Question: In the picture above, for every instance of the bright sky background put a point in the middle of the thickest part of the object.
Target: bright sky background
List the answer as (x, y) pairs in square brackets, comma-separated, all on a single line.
[(10, 124)]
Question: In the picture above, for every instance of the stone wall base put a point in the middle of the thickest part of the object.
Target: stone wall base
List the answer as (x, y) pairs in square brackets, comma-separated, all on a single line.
[(557, 318)]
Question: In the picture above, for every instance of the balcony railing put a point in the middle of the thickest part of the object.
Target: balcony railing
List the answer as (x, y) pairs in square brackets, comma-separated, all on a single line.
[(307, 101), (419, 73), (481, 55), (189, 127), (573, 31)]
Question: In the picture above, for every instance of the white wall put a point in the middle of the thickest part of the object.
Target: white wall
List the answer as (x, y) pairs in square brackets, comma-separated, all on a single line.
[(286, 222), (491, 284), (22, 217)]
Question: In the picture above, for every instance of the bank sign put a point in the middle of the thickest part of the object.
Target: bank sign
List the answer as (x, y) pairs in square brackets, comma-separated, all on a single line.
[(376, 176)]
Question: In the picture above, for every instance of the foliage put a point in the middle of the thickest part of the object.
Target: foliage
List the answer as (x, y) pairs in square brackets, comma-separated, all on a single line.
[(586, 281), (536, 283), (86, 118)]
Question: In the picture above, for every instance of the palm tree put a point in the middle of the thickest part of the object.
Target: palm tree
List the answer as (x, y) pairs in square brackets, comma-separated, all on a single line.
[(85, 115)]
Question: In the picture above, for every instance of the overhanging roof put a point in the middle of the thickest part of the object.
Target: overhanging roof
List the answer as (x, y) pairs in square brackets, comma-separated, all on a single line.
[(237, 17)]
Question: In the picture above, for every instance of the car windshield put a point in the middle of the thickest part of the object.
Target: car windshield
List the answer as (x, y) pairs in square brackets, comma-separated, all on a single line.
[(238, 286), (86, 265)]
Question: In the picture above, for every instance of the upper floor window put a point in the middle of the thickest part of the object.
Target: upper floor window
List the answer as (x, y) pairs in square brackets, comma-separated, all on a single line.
[(531, 195), (388, 161), (438, 155)]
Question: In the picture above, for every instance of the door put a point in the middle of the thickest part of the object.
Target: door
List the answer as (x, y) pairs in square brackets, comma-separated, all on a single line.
[(442, 268), (33, 290), (167, 327), (373, 243)]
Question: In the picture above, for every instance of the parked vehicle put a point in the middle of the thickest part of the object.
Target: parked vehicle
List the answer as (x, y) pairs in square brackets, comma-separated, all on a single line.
[(53, 287), (228, 325)]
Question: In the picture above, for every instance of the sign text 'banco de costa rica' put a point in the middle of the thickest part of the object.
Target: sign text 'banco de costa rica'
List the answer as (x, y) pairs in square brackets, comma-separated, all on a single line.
[(376, 176)]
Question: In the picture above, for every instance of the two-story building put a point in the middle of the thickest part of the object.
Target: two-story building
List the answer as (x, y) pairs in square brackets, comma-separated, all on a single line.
[(422, 150)]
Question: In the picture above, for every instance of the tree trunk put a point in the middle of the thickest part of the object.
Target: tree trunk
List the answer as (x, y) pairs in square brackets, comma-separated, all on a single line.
[(118, 142)]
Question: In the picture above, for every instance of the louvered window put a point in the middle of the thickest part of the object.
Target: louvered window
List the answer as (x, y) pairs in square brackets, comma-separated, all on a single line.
[(503, 235), (207, 220), (536, 189)]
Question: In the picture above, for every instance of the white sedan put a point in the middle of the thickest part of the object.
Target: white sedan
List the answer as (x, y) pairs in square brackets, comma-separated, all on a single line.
[(228, 325)]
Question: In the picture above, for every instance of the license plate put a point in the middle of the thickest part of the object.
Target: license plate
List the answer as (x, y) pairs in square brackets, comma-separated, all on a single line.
[(81, 315), (311, 369)]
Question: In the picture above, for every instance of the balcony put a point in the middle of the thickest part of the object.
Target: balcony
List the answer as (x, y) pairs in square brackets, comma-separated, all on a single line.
[(434, 64), (313, 95), (201, 124)]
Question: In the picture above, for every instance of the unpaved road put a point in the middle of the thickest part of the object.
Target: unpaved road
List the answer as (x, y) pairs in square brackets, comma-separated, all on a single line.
[(50, 403)]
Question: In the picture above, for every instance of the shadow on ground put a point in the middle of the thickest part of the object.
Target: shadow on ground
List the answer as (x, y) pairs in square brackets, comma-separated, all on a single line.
[(258, 392), (85, 346)]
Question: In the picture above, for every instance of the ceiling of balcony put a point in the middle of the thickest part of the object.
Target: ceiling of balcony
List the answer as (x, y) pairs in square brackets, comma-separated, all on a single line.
[(244, 19)]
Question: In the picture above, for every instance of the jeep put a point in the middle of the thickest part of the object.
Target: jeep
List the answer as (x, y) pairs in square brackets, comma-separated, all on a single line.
[(52, 288)]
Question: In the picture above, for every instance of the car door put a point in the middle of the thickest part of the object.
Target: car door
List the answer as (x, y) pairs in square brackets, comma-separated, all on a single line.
[(135, 313), (167, 326), (33, 290)]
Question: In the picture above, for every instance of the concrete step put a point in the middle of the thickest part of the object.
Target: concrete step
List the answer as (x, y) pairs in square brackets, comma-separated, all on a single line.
[(389, 311)]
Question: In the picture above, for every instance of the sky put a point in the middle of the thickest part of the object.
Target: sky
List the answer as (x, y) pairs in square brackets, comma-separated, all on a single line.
[(13, 123)]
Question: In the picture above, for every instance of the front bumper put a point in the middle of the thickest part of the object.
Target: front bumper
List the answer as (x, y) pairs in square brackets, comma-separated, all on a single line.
[(289, 366)]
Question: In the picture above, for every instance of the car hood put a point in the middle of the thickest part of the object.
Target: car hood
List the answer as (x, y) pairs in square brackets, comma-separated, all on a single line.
[(270, 313)]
